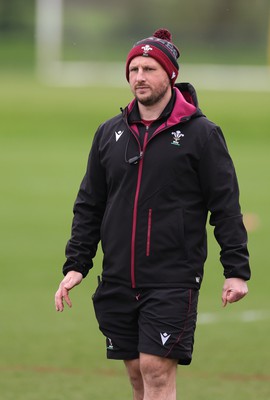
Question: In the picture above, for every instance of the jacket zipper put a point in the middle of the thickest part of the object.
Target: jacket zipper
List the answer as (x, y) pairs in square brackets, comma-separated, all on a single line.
[(135, 213), (135, 209)]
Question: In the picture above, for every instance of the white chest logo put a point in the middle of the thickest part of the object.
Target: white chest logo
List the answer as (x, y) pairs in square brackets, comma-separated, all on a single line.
[(118, 135), (176, 137)]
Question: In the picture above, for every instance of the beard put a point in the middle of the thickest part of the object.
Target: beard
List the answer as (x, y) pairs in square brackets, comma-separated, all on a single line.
[(154, 97)]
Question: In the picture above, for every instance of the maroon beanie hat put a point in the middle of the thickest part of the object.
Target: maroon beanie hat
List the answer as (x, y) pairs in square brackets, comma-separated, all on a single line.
[(160, 47)]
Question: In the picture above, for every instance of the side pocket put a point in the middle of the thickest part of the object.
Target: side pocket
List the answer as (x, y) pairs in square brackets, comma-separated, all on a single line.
[(149, 229), (165, 235)]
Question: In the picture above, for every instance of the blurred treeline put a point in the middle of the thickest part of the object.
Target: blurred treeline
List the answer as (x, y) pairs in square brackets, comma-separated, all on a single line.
[(17, 18), (200, 27)]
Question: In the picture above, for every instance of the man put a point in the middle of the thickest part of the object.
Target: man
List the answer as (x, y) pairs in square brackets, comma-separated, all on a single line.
[(154, 172)]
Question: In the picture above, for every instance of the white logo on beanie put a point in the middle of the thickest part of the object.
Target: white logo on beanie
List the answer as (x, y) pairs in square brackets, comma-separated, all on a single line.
[(146, 48)]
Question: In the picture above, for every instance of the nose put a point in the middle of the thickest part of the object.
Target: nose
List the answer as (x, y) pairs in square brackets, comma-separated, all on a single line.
[(140, 75)]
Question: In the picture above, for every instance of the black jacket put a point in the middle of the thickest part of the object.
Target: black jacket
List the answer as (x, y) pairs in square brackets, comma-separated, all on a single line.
[(146, 195)]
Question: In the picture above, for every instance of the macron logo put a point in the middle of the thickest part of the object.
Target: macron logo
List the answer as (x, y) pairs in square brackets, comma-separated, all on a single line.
[(164, 337), (118, 135)]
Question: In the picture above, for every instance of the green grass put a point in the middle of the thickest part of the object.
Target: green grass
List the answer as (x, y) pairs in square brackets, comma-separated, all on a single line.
[(44, 142)]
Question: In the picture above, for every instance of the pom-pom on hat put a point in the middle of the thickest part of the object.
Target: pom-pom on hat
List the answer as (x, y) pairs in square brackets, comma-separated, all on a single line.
[(160, 47)]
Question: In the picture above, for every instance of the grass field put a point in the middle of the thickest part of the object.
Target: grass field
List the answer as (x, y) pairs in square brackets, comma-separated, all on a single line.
[(44, 142)]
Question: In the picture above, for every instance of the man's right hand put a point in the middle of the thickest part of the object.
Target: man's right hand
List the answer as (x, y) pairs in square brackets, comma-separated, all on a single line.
[(72, 278)]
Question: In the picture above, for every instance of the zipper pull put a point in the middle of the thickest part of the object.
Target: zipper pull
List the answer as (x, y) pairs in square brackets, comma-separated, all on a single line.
[(136, 159)]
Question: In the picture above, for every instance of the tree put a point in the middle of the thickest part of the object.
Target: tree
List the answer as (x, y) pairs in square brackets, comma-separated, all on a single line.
[(16, 16)]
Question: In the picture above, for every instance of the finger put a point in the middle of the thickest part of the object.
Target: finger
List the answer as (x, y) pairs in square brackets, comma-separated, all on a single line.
[(229, 296), (225, 296), (67, 298), (236, 297), (224, 301), (233, 296), (62, 294), (59, 306)]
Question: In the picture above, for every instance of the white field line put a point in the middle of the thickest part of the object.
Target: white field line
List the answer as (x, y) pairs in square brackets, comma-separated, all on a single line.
[(204, 76), (205, 318)]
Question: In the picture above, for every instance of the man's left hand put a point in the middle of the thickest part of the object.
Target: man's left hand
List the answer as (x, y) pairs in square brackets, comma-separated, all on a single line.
[(234, 289)]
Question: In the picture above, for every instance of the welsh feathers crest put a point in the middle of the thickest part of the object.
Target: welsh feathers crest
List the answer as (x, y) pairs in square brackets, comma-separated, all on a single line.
[(176, 137), (146, 49)]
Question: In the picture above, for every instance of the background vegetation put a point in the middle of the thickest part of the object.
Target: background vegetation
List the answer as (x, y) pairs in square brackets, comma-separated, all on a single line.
[(226, 31)]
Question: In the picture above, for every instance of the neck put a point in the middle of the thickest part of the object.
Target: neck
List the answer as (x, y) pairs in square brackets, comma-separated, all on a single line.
[(150, 113)]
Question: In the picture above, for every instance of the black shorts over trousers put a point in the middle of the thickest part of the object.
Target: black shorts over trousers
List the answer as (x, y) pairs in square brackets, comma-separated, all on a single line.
[(159, 321)]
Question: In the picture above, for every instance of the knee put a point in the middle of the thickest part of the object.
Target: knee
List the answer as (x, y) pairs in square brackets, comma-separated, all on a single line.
[(135, 375), (157, 371), (153, 374), (136, 381)]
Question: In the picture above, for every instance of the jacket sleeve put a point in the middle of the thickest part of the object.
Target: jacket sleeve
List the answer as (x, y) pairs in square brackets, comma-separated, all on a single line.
[(88, 213), (221, 193)]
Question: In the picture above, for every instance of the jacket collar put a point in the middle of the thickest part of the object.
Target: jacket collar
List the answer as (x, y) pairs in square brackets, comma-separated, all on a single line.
[(134, 114)]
